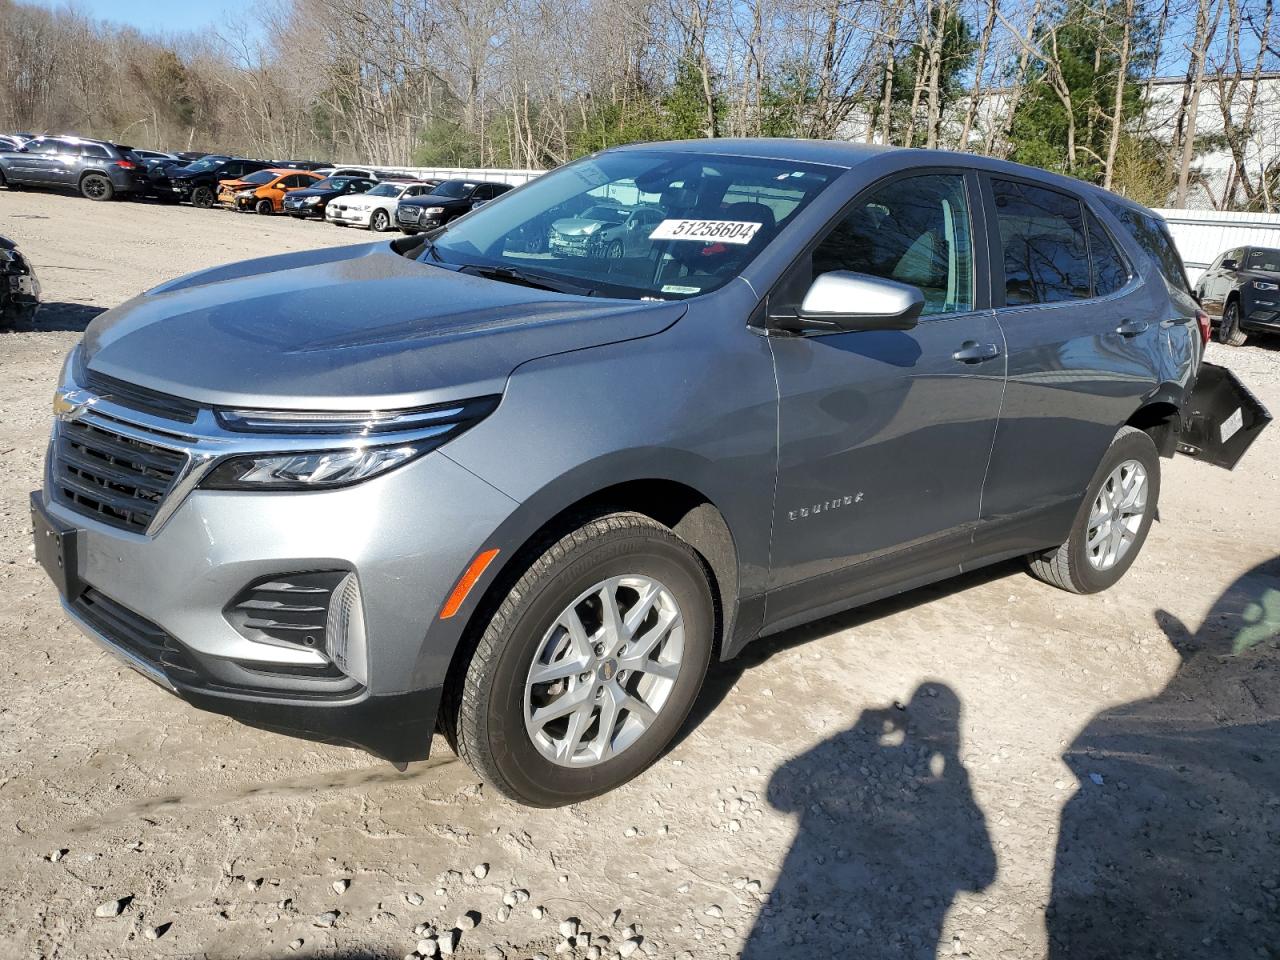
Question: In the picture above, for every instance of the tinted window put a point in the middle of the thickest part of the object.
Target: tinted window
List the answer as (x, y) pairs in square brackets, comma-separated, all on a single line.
[(915, 231), (94, 150), (1046, 259), (1268, 260), (42, 146), (1151, 234), (1109, 270)]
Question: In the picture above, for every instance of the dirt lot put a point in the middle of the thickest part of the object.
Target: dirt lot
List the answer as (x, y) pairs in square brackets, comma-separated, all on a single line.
[(989, 768)]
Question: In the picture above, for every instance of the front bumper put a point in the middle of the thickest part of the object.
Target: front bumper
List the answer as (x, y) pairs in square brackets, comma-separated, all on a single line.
[(419, 225), (352, 216), (164, 600)]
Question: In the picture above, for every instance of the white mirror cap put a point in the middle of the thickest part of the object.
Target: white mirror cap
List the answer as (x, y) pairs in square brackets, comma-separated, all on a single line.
[(844, 293)]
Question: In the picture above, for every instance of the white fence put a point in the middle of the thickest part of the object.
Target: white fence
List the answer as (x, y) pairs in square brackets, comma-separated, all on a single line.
[(513, 177), (1203, 234)]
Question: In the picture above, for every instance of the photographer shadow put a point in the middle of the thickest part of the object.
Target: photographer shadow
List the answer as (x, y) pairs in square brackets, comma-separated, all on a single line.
[(889, 833)]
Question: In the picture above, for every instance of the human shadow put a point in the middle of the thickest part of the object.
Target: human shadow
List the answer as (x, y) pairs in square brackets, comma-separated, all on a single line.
[(1171, 846), (889, 832)]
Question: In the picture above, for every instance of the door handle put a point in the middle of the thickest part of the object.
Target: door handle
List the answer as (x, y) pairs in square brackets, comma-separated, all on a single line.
[(1131, 328), (973, 352), (1176, 321)]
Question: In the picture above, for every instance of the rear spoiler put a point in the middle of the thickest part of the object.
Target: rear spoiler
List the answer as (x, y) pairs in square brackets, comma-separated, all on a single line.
[(1222, 418)]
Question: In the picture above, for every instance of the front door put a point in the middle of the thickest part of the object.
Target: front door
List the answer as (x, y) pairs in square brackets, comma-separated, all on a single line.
[(884, 436)]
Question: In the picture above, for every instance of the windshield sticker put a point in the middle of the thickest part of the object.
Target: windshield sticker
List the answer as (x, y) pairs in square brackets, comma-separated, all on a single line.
[(676, 288), (724, 231)]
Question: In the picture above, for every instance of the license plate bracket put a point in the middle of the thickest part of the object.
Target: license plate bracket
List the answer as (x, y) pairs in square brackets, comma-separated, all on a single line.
[(56, 548)]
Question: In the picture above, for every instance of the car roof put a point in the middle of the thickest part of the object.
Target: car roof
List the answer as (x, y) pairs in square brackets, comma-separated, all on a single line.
[(849, 155)]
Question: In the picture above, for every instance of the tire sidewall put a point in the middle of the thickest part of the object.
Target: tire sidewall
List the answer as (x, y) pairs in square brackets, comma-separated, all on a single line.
[(530, 775), (202, 197), (378, 222), (108, 191), (1132, 445)]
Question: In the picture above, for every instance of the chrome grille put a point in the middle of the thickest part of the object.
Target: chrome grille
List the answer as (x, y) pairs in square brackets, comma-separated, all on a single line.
[(111, 477)]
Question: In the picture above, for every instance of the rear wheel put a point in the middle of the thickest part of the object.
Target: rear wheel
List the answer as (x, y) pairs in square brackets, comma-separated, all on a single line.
[(589, 665), (1112, 522), (202, 197), (1229, 331), (96, 187), (379, 221)]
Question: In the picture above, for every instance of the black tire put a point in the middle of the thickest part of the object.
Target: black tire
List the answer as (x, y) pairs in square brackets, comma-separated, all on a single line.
[(264, 207), (484, 711), (613, 251), (1229, 331), (3, 181), (95, 186), (379, 222), (202, 197), (1068, 566)]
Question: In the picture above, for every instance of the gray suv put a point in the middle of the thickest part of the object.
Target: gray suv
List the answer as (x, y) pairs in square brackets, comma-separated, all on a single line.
[(461, 482), (97, 169)]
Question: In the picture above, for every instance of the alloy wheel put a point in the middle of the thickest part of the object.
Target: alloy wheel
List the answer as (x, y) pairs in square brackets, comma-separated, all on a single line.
[(604, 671), (1116, 515)]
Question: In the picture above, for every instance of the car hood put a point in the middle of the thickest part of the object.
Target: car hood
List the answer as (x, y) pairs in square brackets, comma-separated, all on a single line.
[(313, 192), (348, 328)]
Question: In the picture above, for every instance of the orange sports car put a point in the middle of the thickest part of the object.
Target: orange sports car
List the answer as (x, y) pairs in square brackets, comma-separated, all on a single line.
[(263, 191)]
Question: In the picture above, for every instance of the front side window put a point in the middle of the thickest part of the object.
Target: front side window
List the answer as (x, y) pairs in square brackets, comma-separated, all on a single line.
[(716, 213), (1046, 257), (42, 146), (914, 231)]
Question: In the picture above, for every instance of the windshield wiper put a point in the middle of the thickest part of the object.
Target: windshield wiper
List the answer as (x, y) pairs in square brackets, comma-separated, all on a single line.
[(512, 275)]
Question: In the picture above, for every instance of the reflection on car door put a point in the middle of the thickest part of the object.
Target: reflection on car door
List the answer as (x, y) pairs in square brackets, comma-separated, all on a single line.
[(884, 435), (39, 162), (1082, 332)]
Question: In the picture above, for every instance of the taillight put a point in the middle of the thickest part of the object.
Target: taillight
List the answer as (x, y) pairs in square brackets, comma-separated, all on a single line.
[(126, 165), (1202, 321)]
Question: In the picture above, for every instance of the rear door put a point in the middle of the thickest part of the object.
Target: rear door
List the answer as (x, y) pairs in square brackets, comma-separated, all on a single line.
[(1082, 332)]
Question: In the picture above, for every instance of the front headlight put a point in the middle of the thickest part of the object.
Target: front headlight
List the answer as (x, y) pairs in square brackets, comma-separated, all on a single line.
[(311, 201), (311, 471), (1263, 285), (364, 444), (433, 210), (245, 194)]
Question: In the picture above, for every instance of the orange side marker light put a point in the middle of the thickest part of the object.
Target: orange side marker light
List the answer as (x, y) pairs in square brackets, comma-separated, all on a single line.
[(468, 580)]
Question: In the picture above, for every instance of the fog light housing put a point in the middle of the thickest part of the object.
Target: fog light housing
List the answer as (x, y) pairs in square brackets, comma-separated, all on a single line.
[(344, 630)]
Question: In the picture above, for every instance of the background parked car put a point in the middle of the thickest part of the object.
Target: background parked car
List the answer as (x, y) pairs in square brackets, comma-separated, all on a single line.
[(1241, 290), (367, 172), (9, 141), (149, 155), (263, 191), (312, 201), (448, 201), (98, 169), (19, 288), (198, 182), (376, 209), (317, 165)]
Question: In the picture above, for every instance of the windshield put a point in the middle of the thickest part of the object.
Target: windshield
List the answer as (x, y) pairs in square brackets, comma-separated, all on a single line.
[(454, 189), (261, 176), (204, 165), (386, 190), (675, 224), (1268, 260), (331, 183)]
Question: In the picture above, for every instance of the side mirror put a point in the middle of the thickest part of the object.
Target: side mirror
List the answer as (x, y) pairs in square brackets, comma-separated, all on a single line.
[(842, 301), (1230, 264)]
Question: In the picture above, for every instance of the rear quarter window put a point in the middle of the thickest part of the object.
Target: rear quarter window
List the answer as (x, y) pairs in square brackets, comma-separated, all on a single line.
[(1150, 233)]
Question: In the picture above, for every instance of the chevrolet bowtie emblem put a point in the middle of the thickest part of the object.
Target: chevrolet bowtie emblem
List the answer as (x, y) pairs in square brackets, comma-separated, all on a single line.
[(71, 404)]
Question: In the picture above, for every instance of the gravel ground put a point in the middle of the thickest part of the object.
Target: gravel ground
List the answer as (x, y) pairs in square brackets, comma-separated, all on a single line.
[(988, 768)]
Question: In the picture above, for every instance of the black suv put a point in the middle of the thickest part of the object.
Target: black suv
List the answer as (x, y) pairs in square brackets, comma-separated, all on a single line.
[(447, 202), (1241, 290), (99, 169), (198, 182)]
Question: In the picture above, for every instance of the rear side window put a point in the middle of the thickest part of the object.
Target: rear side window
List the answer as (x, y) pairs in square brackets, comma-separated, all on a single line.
[(1110, 272), (94, 150), (1151, 234), (1042, 233), (914, 231)]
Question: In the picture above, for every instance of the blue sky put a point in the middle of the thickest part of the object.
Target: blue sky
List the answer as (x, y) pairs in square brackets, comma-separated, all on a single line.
[(156, 16)]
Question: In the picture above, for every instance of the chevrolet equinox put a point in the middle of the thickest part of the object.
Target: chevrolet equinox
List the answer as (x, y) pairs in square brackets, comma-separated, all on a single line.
[(476, 482)]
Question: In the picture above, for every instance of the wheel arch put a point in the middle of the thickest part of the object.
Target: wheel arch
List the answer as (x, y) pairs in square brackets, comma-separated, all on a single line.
[(1161, 419)]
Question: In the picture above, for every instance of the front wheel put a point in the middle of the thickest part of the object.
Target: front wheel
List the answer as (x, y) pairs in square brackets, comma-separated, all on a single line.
[(1229, 331), (264, 208), (589, 665), (1112, 523), (95, 186), (379, 222), (202, 197)]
